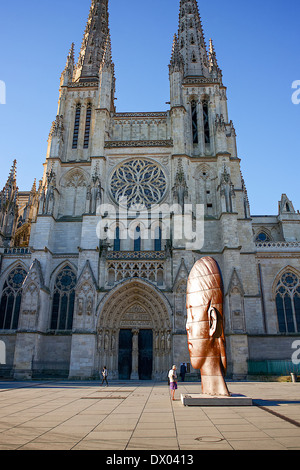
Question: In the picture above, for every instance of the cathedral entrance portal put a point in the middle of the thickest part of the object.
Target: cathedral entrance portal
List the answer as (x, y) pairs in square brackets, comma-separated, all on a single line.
[(134, 332)]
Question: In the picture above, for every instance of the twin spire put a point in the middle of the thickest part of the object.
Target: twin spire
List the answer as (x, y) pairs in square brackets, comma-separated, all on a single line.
[(190, 54)]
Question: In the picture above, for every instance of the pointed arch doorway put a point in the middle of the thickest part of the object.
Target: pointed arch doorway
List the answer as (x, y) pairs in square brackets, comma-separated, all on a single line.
[(134, 332)]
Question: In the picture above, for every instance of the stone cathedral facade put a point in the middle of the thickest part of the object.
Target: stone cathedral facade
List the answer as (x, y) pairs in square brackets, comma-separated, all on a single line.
[(73, 300)]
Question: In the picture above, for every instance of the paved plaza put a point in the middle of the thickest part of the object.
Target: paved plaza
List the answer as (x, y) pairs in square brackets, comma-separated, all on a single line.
[(131, 416)]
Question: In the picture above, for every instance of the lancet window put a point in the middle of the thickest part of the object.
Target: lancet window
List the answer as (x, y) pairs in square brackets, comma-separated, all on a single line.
[(206, 123), (87, 126), (117, 241), (63, 300), (76, 126), (194, 122), (11, 299), (157, 240), (137, 239), (288, 303)]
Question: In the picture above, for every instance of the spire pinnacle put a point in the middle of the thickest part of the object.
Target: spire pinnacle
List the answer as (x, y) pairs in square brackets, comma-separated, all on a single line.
[(94, 41), (191, 40), (67, 75), (214, 69), (176, 63), (13, 173), (10, 189)]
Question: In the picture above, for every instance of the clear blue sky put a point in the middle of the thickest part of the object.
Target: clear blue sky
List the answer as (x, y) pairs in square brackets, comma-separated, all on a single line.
[(257, 46)]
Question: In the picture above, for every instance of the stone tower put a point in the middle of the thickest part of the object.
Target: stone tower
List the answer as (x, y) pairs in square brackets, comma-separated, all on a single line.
[(94, 261)]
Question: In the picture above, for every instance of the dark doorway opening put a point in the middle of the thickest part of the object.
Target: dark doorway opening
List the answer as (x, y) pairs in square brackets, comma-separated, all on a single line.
[(145, 354), (125, 354)]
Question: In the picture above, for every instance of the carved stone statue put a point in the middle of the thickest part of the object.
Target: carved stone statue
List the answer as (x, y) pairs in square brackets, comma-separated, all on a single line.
[(205, 326)]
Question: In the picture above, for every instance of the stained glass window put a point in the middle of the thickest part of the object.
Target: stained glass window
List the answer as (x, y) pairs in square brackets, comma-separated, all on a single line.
[(11, 299), (288, 303), (141, 182), (206, 123), (262, 237), (194, 122), (117, 241), (137, 239), (76, 126), (157, 240), (87, 126), (63, 300)]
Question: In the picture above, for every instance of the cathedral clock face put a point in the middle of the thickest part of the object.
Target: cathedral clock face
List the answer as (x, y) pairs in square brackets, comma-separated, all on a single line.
[(139, 182)]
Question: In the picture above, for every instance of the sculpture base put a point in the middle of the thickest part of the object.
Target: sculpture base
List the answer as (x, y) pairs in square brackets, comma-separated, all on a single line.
[(199, 399)]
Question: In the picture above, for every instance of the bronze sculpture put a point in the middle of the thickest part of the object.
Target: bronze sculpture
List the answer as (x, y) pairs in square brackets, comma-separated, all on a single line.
[(205, 326)]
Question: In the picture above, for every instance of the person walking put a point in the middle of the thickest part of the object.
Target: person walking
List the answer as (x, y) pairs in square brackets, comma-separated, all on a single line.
[(173, 381), (104, 376)]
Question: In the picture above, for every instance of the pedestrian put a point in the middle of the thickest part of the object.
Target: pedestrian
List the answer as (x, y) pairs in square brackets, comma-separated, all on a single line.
[(182, 371), (173, 381), (104, 375)]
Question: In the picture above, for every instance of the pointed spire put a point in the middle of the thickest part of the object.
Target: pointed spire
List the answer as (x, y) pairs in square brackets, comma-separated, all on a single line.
[(94, 42), (212, 55), (107, 56), (9, 202), (33, 189), (191, 40), (11, 184), (67, 74), (214, 69), (70, 58), (176, 63), (13, 172)]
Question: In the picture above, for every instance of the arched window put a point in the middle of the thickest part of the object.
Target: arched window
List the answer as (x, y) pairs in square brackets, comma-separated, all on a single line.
[(206, 123), (11, 299), (262, 237), (87, 126), (137, 239), (76, 126), (117, 241), (63, 300), (288, 303), (194, 122), (157, 241)]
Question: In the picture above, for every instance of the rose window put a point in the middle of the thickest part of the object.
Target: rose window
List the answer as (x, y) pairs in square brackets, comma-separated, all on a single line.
[(141, 182)]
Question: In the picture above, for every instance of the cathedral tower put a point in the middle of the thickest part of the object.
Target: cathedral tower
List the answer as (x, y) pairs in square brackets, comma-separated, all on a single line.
[(75, 297)]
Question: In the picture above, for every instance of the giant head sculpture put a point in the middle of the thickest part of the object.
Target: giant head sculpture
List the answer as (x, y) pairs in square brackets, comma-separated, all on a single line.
[(205, 325)]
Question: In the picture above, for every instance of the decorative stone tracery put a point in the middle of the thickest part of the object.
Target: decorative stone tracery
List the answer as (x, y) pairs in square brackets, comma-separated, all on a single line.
[(141, 182)]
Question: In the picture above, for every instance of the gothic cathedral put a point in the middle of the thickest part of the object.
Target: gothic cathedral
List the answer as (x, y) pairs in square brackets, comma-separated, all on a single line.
[(80, 289)]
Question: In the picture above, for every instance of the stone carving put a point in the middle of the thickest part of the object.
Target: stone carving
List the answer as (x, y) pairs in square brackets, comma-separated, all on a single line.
[(226, 191), (94, 194), (180, 188), (205, 326)]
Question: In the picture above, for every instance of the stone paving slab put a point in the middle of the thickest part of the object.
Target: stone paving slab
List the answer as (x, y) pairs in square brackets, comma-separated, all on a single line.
[(65, 415)]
